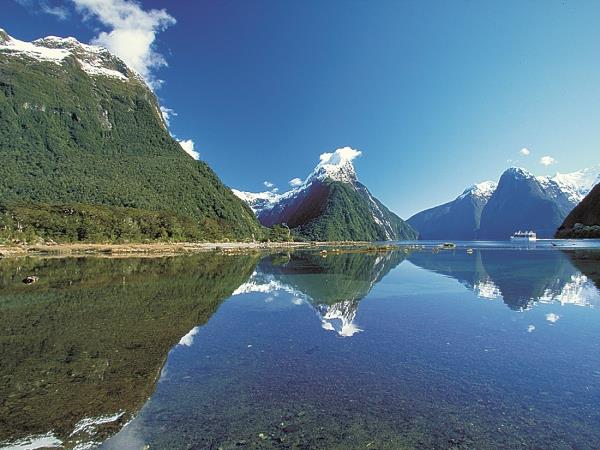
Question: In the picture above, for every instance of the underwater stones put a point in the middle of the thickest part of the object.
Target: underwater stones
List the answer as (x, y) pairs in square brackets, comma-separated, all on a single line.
[(291, 428), (30, 279)]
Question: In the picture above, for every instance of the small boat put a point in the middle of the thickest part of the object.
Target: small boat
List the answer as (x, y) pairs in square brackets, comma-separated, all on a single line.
[(527, 236), (448, 245)]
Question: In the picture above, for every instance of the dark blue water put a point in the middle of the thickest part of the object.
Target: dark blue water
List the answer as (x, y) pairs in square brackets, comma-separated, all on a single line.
[(495, 349)]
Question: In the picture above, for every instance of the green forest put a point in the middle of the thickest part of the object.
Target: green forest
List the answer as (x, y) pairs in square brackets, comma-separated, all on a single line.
[(98, 146), (346, 216)]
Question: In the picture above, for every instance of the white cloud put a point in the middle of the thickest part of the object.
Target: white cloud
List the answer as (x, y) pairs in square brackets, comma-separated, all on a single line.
[(552, 318), (340, 156), (268, 184), (531, 328), (57, 11), (188, 146), (167, 114), (132, 32), (547, 160), (44, 6), (295, 182), (525, 151)]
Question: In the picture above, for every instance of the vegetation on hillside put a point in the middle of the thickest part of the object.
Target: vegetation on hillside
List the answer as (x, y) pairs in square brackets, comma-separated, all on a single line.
[(346, 216), (68, 138), (32, 223)]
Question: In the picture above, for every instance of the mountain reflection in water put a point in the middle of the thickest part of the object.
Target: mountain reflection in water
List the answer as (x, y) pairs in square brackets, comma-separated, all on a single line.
[(84, 347), (333, 285), (386, 350), (520, 278)]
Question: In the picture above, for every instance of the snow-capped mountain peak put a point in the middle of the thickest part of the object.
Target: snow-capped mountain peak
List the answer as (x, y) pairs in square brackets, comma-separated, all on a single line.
[(333, 166), (519, 172), (483, 190), (573, 186), (577, 185), (258, 201), (94, 60), (337, 166), (325, 204)]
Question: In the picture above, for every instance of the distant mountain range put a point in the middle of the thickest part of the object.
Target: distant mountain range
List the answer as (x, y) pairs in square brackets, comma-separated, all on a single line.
[(519, 201), (457, 219), (79, 127), (330, 205)]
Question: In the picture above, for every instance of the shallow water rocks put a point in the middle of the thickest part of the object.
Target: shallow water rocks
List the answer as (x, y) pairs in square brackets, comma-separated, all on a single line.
[(291, 428), (30, 279)]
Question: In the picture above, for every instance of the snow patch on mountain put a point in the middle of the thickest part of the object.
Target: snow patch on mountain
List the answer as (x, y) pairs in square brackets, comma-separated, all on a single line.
[(577, 185), (574, 186), (94, 60), (258, 201), (483, 190), (519, 172), (337, 166), (334, 166), (378, 214)]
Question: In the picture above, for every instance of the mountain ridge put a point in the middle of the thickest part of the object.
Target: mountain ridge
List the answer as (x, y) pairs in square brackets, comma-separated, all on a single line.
[(72, 131), (460, 219), (330, 204)]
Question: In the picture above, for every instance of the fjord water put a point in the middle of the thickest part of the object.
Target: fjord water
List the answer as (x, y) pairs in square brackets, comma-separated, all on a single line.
[(421, 349)]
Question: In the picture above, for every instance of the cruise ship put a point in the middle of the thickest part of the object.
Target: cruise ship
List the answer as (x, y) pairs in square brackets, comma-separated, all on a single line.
[(528, 236)]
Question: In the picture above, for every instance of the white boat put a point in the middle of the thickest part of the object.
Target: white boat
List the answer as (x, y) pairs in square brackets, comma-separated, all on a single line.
[(528, 236)]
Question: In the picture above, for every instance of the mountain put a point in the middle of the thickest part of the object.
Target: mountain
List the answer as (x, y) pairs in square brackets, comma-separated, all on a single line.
[(584, 220), (577, 185), (330, 205), (77, 126), (458, 219), (523, 201), (519, 200)]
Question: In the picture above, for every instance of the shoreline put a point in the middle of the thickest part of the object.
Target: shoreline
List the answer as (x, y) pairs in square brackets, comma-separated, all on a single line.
[(154, 249), (167, 249)]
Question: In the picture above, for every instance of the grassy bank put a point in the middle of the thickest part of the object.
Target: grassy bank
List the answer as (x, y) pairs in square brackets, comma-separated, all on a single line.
[(161, 248)]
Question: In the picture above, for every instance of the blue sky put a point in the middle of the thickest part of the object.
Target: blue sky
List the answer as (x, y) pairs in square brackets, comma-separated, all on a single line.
[(436, 95)]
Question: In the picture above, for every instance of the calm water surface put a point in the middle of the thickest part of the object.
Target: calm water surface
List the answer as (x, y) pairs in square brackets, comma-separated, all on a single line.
[(495, 349)]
